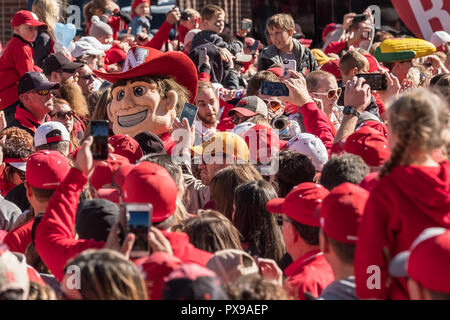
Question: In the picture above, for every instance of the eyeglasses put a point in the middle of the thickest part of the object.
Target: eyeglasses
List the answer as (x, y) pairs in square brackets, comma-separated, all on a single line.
[(42, 92), (273, 105), (331, 93), (63, 115)]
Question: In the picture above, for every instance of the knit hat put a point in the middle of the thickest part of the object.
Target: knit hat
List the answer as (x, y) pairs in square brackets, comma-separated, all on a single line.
[(99, 28), (320, 56)]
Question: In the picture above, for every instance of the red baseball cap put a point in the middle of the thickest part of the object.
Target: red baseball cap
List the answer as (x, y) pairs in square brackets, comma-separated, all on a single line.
[(328, 28), (156, 269), (46, 169), (27, 17), (262, 143), (374, 66), (332, 67), (144, 61), (370, 145), (341, 212), (104, 174), (427, 261), (301, 203), (126, 146), (377, 125), (276, 71), (149, 183)]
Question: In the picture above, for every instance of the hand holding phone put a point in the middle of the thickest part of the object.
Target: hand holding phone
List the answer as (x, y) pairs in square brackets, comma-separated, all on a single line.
[(288, 65), (189, 111), (255, 47), (376, 81), (246, 25), (100, 133), (136, 218)]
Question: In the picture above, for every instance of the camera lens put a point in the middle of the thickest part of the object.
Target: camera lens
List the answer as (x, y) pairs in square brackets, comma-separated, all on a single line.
[(280, 124)]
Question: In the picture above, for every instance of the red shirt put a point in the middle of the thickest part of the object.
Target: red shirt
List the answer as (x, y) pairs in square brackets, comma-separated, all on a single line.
[(336, 47), (401, 205), (18, 239), (311, 273), (16, 60)]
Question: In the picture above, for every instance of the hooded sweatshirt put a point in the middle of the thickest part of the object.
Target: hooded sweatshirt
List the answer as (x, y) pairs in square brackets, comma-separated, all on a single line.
[(402, 204)]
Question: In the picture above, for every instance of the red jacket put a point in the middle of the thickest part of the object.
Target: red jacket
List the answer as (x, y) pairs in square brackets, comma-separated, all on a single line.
[(18, 239), (401, 205), (182, 31), (311, 273), (55, 235), (317, 123), (160, 37), (16, 60)]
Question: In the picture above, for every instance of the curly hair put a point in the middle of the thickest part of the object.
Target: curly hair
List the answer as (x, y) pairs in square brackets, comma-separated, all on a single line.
[(420, 119), (17, 137), (255, 287)]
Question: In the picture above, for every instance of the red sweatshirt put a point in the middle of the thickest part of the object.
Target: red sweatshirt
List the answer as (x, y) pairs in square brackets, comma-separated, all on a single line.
[(18, 239), (160, 37), (311, 273), (55, 236), (317, 123), (401, 205), (16, 60)]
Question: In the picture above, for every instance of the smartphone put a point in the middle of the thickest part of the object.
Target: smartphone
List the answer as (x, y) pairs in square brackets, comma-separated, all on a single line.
[(202, 56), (275, 89), (255, 47), (359, 18), (246, 25), (137, 219), (288, 65), (189, 111), (243, 58), (100, 133), (376, 81)]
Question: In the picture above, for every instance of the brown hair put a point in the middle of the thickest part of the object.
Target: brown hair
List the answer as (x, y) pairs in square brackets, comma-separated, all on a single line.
[(42, 195), (164, 84), (17, 137), (211, 231), (73, 137), (90, 8), (225, 182), (420, 119), (41, 292), (204, 85), (255, 287), (281, 21), (210, 11), (73, 94), (108, 275), (258, 226), (353, 59), (100, 111), (254, 84), (313, 79)]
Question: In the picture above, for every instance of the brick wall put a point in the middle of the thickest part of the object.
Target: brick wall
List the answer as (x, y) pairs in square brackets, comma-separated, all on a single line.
[(7, 10)]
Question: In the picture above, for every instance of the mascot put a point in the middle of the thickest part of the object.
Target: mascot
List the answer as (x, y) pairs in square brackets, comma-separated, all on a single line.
[(150, 92)]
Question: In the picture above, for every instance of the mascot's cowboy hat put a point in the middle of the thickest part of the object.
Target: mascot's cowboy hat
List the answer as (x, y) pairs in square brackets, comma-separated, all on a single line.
[(144, 61)]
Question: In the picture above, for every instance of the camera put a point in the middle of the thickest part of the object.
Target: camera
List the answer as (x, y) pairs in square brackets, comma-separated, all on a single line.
[(280, 122)]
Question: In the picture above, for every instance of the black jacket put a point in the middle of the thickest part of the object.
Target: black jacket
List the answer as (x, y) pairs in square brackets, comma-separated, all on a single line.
[(42, 47), (211, 37)]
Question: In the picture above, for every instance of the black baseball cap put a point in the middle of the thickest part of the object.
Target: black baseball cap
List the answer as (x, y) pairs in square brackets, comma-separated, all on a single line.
[(57, 61), (150, 143), (35, 81)]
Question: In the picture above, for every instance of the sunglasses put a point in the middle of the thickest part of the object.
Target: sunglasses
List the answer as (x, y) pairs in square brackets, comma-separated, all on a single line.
[(42, 92), (88, 76), (62, 115), (331, 93), (237, 120), (273, 105)]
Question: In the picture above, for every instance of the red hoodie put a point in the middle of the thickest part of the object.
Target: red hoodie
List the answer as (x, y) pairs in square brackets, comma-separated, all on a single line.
[(402, 204), (55, 235), (15, 61)]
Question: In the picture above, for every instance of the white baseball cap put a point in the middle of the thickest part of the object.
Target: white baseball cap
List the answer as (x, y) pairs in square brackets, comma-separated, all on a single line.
[(440, 37), (49, 132), (13, 272), (89, 45), (310, 145)]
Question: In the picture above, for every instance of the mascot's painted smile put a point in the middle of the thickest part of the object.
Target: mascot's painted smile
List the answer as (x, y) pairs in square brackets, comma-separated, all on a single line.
[(132, 119)]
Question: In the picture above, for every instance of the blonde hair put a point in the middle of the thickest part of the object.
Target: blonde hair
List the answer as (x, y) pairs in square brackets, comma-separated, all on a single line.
[(420, 119), (108, 275), (90, 8), (353, 59), (48, 12), (281, 21)]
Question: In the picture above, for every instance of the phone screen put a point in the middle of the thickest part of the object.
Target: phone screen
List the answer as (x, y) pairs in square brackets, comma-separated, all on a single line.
[(255, 47), (100, 132), (246, 25), (136, 218), (190, 112), (288, 65), (274, 89), (376, 81)]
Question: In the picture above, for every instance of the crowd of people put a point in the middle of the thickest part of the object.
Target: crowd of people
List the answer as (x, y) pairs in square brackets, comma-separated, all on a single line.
[(298, 178)]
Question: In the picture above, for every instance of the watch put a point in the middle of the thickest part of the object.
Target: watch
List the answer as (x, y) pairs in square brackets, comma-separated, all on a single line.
[(348, 110)]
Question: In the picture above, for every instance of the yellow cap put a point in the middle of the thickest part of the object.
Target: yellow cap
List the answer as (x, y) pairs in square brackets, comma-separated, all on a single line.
[(226, 143)]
